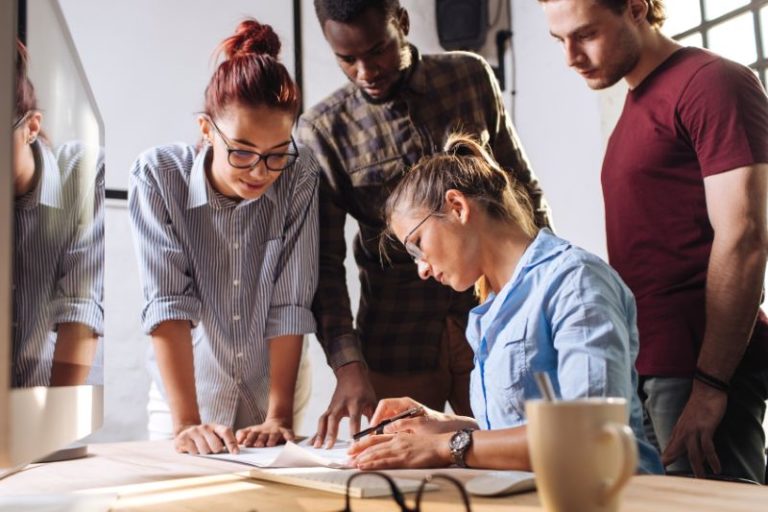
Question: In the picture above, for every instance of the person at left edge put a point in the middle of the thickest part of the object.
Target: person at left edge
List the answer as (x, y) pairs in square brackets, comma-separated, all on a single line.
[(58, 271), (227, 242)]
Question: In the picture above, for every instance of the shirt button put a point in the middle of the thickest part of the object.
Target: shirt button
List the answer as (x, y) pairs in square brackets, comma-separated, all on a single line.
[(239, 381), (236, 318), (239, 354), (236, 245), (236, 282)]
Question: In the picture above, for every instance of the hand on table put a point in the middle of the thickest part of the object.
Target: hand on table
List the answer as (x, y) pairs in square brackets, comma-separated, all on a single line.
[(353, 398), (390, 451), (270, 433), (203, 439)]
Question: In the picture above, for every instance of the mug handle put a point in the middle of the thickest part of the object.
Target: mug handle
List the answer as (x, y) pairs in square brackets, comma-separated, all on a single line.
[(622, 435)]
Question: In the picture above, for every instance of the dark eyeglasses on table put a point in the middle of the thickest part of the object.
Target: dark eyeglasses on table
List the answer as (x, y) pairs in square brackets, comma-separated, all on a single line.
[(457, 495)]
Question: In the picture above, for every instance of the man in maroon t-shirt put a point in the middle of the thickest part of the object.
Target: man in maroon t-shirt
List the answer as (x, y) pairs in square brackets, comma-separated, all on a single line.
[(684, 181)]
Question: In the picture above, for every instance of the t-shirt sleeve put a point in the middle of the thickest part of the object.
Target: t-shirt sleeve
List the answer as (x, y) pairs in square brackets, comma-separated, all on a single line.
[(724, 110)]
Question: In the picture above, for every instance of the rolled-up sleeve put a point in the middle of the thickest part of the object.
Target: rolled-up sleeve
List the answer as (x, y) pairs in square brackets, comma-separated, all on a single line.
[(167, 283), (290, 309)]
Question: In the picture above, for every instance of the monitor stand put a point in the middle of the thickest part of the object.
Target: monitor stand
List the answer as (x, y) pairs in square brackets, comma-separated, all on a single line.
[(73, 451)]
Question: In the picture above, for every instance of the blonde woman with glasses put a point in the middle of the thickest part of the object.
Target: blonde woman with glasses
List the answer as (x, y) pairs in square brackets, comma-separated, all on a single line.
[(550, 307)]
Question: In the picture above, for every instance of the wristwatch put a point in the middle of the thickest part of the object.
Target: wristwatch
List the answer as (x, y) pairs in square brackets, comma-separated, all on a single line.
[(459, 444)]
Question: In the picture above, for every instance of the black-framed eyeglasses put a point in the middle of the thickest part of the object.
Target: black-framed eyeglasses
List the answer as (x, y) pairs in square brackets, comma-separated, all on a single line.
[(413, 250), (248, 159), (397, 495)]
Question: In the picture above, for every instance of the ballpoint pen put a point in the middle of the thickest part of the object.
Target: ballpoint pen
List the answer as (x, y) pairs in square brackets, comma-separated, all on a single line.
[(379, 428)]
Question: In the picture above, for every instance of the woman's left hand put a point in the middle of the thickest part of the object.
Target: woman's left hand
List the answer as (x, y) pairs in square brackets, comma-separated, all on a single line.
[(402, 450), (270, 433)]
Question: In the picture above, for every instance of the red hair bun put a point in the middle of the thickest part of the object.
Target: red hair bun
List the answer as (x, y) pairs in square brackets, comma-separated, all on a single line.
[(251, 37)]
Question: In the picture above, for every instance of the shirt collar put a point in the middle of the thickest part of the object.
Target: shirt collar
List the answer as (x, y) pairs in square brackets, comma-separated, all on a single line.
[(201, 192), (47, 191), (544, 247), (417, 80), (197, 195)]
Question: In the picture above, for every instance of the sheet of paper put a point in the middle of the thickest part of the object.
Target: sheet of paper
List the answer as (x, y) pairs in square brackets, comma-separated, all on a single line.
[(290, 455)]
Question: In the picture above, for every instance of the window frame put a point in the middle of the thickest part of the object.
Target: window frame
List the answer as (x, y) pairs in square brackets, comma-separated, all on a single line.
[(754, 6)]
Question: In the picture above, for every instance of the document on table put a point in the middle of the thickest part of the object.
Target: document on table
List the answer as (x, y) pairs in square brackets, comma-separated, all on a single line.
[(290, 455)]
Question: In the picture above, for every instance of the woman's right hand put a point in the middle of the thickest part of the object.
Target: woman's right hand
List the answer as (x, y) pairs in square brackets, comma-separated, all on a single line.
[(428, 422), (205, 439)]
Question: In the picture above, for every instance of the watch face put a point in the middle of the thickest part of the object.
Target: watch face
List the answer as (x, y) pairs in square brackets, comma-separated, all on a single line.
[(459, 440)]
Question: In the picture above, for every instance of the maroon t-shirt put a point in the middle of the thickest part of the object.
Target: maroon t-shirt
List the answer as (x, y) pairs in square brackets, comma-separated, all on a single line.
[(694, 116)]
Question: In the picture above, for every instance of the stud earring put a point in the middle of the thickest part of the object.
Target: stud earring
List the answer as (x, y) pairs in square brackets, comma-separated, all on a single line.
[(32, 139)]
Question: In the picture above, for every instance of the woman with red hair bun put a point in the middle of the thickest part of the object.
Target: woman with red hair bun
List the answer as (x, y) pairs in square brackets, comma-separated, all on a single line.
[(226, 234)]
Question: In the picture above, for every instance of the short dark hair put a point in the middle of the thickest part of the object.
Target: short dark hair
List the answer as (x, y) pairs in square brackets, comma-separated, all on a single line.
[(346, 11), (656, 11)]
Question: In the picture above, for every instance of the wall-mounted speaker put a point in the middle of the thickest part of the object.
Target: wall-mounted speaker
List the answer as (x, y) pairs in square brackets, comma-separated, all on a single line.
[(462, 24)]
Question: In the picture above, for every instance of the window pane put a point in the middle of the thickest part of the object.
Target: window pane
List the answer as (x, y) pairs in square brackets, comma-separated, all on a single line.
[(681, 15), (716, 8), (764, 29), (735, 39), (692, 40)]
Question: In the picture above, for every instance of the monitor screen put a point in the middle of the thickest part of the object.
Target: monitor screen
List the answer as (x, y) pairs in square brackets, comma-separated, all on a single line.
[(52, 229)]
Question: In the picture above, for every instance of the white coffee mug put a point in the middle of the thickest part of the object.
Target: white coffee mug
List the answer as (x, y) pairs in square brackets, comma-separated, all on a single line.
[(582, 452)]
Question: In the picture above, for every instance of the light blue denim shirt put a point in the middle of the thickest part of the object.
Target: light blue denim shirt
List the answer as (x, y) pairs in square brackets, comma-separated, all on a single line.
[(564, 312)]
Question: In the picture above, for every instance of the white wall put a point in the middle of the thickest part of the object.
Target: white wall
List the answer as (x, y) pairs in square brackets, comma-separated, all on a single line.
[(148, 66), (558, 118)]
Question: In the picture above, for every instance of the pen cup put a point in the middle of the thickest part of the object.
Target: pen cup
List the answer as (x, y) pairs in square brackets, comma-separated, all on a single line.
[(582, 451)]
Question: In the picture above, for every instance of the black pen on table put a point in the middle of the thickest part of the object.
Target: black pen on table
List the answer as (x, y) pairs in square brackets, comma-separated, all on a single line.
[(379, 428)]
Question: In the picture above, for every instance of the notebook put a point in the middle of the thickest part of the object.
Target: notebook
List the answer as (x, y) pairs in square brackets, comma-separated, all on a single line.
[(335, 480)]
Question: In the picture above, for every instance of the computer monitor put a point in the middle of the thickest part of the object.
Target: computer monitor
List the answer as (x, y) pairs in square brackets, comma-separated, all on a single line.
[(36, 420)]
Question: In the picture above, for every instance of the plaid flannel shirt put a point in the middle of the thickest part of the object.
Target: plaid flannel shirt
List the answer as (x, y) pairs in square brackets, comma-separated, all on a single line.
[(363, 149)]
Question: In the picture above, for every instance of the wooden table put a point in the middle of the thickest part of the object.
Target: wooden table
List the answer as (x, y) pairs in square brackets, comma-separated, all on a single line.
[(150, 476)]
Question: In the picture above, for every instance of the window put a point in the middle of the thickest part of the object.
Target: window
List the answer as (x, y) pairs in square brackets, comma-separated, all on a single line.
[(735, 29)]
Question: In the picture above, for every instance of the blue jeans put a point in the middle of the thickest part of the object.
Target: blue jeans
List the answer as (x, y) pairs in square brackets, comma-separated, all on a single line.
[(740, 438)]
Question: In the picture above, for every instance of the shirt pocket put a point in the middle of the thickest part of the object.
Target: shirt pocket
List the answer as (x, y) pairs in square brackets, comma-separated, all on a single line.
[(373, 172), (505, 371), (373, 181), (510, 365)]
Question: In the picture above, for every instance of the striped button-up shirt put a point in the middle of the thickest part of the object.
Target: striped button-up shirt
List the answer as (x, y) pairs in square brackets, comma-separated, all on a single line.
[(363, 149), (242, 272), (59, 257)]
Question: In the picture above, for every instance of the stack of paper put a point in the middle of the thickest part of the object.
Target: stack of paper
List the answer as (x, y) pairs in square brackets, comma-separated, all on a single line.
[(290, 455)]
